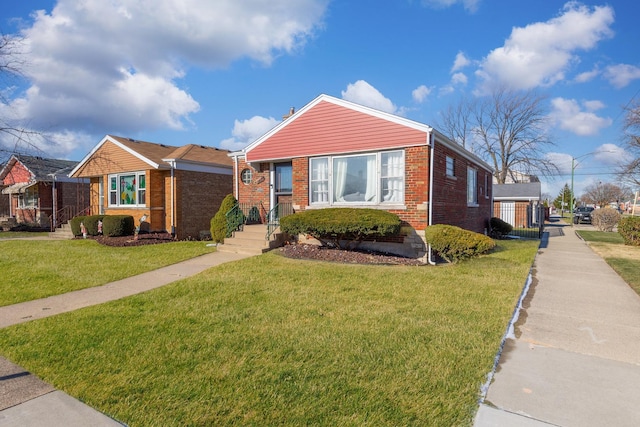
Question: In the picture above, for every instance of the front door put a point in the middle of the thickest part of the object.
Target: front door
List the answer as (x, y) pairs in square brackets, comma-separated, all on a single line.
[(282, 187)]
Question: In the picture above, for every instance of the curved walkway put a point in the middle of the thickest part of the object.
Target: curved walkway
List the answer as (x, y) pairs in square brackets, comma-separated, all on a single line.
[(25, 400), (575, 360)]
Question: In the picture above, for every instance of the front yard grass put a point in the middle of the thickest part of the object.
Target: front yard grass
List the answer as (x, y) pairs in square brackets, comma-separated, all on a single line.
[(625, 260), (22, 234), (33, 269), (274, 341)]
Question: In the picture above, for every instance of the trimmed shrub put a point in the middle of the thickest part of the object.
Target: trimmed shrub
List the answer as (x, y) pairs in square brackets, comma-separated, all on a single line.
[(118, 225), (219, 220), (499, 228), (74, 223), (629, 229), (343, 228), (455, 244), (91, 224), (605, 219)]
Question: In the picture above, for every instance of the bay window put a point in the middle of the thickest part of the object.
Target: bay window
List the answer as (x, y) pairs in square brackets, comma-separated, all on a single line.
[(127, 189), (373, 178)]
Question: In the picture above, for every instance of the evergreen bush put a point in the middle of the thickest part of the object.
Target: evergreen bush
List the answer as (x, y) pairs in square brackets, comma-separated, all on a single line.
[(219, 220), (74, 223), (605, 219), (499, 228), (629, 229), (343, 228), (118, 225), (91, 224), (455, 244)]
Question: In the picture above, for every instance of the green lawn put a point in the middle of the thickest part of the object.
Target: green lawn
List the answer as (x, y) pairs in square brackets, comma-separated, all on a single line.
[(33, 269), (274, 341), (20, 234), (601, 237), (625, 260)]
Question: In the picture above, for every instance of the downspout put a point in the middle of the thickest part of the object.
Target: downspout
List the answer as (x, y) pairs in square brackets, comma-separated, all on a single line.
[(430, 220), (173, 218), (54, 204), (236, 188)]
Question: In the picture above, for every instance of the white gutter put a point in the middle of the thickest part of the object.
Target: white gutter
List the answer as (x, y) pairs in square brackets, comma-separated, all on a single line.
[(432, 141)]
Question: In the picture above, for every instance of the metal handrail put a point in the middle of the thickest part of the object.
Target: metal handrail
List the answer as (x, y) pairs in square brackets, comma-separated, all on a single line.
[(280, 210), (235, 219), (65, 214)]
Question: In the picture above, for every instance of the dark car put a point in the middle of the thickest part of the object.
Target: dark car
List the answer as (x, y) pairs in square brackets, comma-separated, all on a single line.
[(582, 215)]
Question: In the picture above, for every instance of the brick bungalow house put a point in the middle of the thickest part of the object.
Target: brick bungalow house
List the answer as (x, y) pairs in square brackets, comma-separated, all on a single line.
[(335, 153), (39, 191), (176, 189)]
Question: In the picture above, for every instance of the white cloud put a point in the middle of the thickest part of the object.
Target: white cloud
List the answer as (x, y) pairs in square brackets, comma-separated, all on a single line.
[(460, 62), (116, 66), (363, 93), (421, 93), (587, 76), (610, 154), (246, 131), (541, 53), (469, 5), (622, 74), (581, 120), (459, 79)]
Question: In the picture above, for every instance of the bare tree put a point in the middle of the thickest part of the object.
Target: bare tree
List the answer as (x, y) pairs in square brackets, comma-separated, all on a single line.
[(601, 194), (630, 170), (456, 121), (13, 135), (508, 130)]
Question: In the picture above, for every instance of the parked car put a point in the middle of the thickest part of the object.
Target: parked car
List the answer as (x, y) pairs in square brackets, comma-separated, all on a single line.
[(582, 215)]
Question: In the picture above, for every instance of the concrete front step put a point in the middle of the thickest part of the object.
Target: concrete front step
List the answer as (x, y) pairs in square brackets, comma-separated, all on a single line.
[(250, 240), (64, 232)]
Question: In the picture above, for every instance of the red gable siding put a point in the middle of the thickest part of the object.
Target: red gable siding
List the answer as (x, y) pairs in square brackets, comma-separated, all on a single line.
[(17, 174), (328, 128)]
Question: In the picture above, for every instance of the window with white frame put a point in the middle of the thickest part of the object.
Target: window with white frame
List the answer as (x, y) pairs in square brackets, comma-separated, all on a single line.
[(487, 182), (372, 178), (28, 199), (449, 166), (472, 186), (128, 189)]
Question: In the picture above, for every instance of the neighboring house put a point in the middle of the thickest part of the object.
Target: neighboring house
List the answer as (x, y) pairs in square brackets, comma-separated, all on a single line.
[(176, 189), (514, 177), (40, 193), (518, 204), (334, 153)]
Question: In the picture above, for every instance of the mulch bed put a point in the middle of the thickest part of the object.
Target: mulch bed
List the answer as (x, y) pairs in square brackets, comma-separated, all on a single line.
[(297, 251), (320, 253), (143, 239)]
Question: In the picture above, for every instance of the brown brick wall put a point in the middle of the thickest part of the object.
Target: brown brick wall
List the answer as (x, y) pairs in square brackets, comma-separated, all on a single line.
[(74, 194), (198, 197)]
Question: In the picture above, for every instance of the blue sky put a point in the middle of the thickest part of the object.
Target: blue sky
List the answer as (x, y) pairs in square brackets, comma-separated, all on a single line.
[(223, 72)]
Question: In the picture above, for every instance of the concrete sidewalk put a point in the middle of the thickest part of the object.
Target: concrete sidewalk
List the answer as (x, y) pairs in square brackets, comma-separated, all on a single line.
[(25, 400), (575, 358)]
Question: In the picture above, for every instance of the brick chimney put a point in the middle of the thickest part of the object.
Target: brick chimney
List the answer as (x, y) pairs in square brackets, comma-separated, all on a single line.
[(286, 116)]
